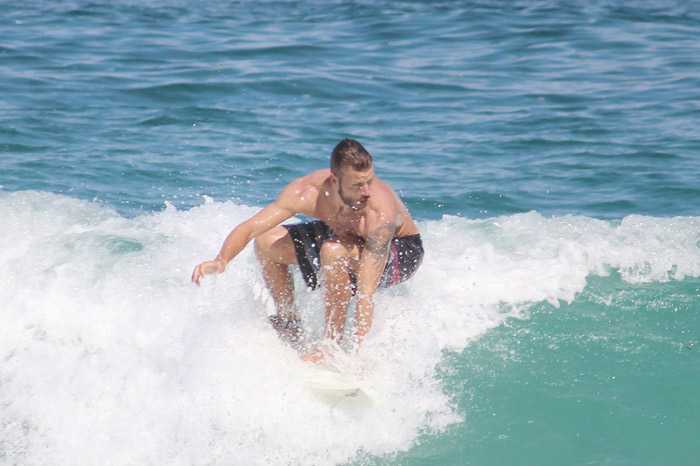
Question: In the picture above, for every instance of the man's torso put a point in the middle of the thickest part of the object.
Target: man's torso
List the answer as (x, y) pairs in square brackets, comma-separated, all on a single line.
[(317, 201)]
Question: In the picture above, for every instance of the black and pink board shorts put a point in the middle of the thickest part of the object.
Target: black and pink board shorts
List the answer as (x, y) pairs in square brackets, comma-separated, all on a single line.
[(405, 255)]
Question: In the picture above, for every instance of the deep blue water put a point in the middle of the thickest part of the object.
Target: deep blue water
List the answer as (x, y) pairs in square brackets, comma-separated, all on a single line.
[(550, 151), (471, 108)]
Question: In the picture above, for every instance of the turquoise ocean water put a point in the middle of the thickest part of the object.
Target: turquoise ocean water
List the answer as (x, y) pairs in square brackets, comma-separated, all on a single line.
[(549, 150)]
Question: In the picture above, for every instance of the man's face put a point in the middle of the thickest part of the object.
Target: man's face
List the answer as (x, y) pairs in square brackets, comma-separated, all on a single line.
[(355, 187)]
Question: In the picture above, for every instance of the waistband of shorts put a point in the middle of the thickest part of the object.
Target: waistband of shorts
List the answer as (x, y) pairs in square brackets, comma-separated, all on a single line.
[(409, 237)]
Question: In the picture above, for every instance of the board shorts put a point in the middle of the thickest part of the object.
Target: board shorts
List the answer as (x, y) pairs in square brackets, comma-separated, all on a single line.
[(405, 254)]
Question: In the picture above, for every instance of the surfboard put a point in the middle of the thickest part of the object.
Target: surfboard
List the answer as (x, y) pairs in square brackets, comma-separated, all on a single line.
[(334, 384)]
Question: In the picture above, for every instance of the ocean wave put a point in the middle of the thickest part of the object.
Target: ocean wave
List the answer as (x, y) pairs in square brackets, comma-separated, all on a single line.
[(104, 340)]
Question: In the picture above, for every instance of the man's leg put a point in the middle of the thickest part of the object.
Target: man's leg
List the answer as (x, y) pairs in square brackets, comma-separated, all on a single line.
[(339, 262), (275, 252)]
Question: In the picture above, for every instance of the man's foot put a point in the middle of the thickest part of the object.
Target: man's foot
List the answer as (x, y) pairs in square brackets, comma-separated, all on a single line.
[(289, 329)]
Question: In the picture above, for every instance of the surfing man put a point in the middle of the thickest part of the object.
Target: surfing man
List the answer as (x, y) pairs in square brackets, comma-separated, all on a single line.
[(364, 238)]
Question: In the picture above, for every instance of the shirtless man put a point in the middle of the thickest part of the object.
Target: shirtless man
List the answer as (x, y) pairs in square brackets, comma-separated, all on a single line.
[(364, 239)]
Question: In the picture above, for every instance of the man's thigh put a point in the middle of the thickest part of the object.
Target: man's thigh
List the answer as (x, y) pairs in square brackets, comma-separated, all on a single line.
[(307, 239), (276, 245)]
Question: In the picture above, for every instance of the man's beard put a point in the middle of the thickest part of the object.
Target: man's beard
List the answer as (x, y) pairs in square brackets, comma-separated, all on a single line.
[(354, 205)]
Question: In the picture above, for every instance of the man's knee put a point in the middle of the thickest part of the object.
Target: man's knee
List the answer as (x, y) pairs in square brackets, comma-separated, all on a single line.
[(332, 251)]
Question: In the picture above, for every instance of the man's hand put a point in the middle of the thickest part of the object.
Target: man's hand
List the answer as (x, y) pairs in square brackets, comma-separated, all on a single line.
[(207, 268), (317, 357)]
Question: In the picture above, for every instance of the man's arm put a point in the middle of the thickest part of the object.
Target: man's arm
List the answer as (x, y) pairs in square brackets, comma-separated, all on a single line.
[(289, 203), (372, 262), (240, 236)]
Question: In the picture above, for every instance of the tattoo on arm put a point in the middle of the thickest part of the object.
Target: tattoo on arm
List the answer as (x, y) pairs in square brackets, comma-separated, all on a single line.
[(379, 241)]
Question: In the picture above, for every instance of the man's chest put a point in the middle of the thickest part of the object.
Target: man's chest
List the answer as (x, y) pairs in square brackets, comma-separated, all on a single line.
[(344, 222)]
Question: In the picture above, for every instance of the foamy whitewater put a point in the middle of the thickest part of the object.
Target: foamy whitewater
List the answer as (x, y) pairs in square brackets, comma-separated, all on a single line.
[(111, 356)]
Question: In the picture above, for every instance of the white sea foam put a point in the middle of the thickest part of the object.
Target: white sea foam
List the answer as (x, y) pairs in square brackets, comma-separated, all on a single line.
[(110, 355)]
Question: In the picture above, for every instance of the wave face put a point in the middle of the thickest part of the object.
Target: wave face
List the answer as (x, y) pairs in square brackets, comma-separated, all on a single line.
[(108, 351)]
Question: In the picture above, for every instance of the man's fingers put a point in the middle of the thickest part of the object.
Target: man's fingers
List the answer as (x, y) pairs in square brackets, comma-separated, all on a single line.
[(205, 268), (196, 275), (316, 357)]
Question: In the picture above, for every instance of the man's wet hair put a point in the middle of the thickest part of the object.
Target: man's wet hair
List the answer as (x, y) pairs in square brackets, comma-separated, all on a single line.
[(350, 153)]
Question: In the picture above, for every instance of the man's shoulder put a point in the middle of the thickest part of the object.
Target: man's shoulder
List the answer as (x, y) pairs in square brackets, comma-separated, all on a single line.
[(300, 195), (319, 177), (383, 185), (389, 208), (315, 178), (386, 197)]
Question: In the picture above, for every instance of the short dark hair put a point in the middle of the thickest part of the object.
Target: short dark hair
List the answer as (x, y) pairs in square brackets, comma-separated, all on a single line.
[(350, 153)]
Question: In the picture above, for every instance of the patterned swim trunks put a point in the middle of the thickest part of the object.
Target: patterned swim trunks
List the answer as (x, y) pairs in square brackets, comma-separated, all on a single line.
[(405, 254)]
